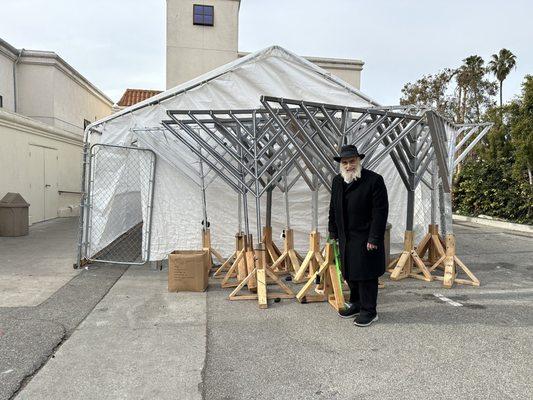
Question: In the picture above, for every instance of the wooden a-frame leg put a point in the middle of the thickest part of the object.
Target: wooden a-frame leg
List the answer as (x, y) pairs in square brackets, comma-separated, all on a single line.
[(338, 297), (234, 295), (449, 264), (217, 255), (224, 265), (235, 266), (421, 266), (293, 261), (309, 262), (300, 296), (303, 268), (404, 266)]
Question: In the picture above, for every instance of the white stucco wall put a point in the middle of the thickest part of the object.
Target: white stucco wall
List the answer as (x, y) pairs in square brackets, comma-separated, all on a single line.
[(35, 95), (193, 49), (6, 78), (49, 92), (74, 102), (18, 135), (41, 143)]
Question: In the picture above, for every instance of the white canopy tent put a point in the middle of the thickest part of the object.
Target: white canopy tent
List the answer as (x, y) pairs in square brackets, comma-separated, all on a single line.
[(176, 208)]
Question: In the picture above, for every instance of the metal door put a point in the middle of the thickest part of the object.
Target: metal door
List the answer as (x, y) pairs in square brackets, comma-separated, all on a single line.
[(51, 186), (36, 183)]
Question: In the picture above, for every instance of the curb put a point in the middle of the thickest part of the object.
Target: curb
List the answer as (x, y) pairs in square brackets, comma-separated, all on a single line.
[(495, 223)]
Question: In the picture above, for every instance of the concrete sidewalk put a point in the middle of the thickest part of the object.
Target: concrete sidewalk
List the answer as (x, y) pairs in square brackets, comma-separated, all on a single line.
[(42, 298), (140, 342), (33, 267)]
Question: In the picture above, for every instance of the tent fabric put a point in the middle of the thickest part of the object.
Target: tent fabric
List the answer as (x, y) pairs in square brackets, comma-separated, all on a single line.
[(177, 210)]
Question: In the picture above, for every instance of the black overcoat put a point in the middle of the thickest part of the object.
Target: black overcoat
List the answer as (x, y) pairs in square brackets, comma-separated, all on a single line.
[(358, 214)]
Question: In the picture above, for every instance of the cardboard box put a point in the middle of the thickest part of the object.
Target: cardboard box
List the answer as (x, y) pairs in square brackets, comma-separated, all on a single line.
[(188, 270)]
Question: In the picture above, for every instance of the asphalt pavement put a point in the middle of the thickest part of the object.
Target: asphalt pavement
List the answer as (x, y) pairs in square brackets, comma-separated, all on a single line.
[(113, 332)]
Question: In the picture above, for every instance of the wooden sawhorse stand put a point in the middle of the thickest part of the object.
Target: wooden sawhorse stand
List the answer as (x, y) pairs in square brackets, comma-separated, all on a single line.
[(432, 245), (438, 257), (206, 244), (449, 261), (273, 253), (258, 274), (292, 263), (312, 261), (404, 264), (238, 268), (331, 281)]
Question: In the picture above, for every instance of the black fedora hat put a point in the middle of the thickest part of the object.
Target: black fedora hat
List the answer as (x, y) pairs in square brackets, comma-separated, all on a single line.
[(348, 151)]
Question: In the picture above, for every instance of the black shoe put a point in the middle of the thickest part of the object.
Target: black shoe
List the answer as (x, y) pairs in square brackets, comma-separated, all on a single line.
[(365, 320), (349, 312)]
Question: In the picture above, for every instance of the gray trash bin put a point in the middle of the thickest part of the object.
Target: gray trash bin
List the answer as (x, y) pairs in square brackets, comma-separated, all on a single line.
[(13, 215)]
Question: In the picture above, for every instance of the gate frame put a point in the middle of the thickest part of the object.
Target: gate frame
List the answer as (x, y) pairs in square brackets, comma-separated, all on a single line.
[(86, 186)]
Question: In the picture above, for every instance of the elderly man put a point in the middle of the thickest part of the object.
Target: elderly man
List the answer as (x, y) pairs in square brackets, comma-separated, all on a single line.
[(357, 218)]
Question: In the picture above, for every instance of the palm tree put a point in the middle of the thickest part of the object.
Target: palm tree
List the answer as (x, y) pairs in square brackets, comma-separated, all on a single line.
[(469, 77), (500, 65)]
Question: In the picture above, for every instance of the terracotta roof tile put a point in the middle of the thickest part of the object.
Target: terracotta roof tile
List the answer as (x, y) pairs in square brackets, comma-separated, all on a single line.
[(134, 96)]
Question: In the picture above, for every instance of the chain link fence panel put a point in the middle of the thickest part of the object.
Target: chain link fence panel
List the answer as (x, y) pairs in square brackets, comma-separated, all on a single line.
[(119, 204)]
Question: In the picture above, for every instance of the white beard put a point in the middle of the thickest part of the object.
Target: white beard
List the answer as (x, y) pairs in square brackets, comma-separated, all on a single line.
[(350, 176)]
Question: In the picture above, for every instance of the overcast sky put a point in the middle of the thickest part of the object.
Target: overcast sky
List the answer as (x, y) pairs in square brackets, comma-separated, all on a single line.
[(118, 44)]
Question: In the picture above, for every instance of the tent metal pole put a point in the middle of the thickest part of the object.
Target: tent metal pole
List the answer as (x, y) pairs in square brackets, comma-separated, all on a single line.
[(392, 144), (214, 167), (286, 196), (239, 211), (294, 143), (451, 153), (268, 221), (245, 192), (204, 201), (201, 142), (459, 158), (237, 157), (314, 205), (312, 143), (411, 190), (434, 191), (245, 209), (83, 201), (257, 189), (151, 212)]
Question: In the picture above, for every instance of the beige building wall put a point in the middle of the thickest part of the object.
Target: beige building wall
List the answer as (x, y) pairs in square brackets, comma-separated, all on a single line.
[(42, 163), (194, 49), (41, 143), (7, 60), (348, 70), (35, 96), (51, 91)]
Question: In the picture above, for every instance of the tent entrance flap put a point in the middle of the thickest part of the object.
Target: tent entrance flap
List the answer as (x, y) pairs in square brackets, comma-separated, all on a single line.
[(118, 210)]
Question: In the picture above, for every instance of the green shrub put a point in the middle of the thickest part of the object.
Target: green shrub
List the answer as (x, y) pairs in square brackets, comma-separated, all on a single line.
[(489, 187)]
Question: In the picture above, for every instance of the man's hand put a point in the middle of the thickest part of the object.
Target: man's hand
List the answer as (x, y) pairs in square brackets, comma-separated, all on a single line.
[(370, 246)]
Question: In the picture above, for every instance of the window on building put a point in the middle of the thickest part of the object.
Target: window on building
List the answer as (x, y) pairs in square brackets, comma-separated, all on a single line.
[(203, 15), (86, 123), (1, 101)]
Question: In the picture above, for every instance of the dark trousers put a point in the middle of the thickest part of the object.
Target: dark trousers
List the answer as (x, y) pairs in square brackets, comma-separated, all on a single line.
[(364, 294)]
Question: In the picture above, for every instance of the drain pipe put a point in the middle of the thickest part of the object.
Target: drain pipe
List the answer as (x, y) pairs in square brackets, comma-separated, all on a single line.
[(15, 79)]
